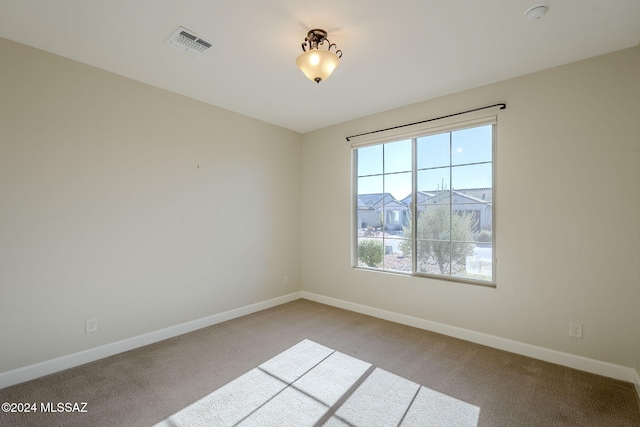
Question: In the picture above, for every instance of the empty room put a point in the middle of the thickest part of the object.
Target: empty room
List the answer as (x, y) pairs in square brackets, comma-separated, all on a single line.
[(293, 213)]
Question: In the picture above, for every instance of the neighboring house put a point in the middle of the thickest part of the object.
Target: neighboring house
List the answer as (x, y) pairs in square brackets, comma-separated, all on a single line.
[(476, 201), (372, 208), (375, 209)]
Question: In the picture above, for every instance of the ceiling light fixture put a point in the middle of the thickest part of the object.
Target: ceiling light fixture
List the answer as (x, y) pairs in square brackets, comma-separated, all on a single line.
[(537, 11), (318, 64)]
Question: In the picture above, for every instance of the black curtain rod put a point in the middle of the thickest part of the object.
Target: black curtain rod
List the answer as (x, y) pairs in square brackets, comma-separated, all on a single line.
[(502, 107)]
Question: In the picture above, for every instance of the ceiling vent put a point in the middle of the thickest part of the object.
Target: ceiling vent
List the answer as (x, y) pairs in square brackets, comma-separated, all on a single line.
[(188, 41)]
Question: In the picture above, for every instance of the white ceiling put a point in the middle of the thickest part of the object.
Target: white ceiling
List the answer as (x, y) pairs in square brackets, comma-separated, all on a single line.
[(394, 52)]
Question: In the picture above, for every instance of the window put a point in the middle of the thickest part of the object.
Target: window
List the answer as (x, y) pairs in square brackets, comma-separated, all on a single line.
[(424, 204)]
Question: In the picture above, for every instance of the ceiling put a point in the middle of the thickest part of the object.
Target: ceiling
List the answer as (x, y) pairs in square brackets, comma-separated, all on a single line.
[(394, 52)]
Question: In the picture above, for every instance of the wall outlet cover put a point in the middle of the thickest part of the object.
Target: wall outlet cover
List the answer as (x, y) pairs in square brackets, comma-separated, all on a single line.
[(91, 326)]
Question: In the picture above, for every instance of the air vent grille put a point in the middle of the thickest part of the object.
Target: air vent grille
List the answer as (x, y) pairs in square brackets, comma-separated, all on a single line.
[(188, 41)]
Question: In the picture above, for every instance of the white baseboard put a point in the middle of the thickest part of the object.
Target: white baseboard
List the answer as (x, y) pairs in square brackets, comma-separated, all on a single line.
[(37, 370), (565, 359)]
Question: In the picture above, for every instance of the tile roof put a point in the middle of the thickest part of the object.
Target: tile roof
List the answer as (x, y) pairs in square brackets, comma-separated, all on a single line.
[(478, 194)]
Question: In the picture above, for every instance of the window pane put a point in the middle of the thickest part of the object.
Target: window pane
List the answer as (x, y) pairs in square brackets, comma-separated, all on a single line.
[(480, 215), (432, 182), (395, 258), (433, 151), (370, 252), (463, 226), (370, 160), (472, 145), (398, 184), (370, 185), (396, 217), (479, 265), (433, 257), (471, 215), (476, 176), (397, 156), (434, 222)]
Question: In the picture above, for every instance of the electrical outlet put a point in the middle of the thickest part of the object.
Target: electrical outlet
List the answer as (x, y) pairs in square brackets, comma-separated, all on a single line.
[(285, 281), (575, 330), (91, 326)]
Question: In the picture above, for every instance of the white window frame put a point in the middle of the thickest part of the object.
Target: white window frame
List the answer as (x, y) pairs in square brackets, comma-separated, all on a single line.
[(414, 132)]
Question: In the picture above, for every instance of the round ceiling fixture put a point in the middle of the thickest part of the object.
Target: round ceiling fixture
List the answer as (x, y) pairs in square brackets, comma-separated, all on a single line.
[(537, 11), (316, 63)]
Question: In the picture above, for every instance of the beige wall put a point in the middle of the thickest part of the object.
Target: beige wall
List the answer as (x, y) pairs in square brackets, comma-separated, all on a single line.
[(139, 207), (104, 212), (638, 265), (567, 223)]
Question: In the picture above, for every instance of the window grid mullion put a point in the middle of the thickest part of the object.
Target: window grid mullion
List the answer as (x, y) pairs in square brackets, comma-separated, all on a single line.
[(383, 219), (414, 205), (450, 198)]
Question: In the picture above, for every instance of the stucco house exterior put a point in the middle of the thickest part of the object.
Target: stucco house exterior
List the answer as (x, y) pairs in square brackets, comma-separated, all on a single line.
[(377, 209), (476, 201)]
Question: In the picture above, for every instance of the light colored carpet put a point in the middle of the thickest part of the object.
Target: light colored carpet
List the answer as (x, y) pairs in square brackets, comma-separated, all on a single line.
[(309, 384), (143, 387)]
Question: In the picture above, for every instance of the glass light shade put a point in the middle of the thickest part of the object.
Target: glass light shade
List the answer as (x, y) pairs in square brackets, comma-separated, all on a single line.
[(317, 64)]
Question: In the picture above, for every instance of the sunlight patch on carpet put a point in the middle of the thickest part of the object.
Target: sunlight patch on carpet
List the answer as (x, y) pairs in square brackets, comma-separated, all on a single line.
[(312, 385)]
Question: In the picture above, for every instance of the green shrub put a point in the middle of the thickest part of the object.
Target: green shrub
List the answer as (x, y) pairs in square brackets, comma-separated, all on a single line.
[(371, 252), (439, 231)]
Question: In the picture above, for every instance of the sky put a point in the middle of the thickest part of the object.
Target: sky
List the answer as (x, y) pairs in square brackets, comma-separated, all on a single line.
[(460, 159)]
